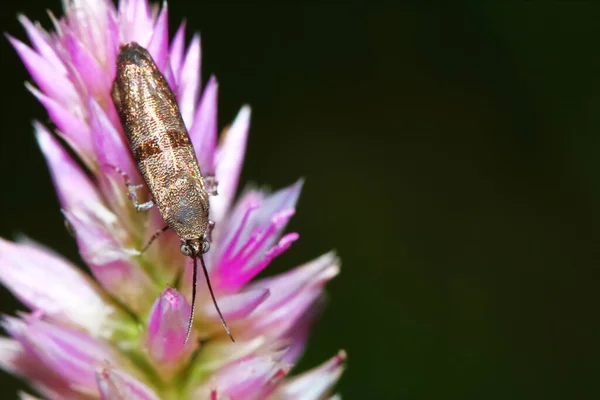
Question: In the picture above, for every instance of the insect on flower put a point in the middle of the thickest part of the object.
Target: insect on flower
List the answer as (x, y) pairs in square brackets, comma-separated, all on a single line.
[(162, 149)]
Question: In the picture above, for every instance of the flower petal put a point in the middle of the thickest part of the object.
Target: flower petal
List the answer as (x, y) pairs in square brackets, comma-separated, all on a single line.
[(65, 172), (229, 159), (40, 41), (203, 131), (176, 51), (111, 263), (51, 80), (285, 286), (167, 327), (27, 396), (158, 46), (71, 354), (114, 384), (70, 125), (252, 244), (93, 79), (250, 378), (189, 83), (135, 21), (44, 281), (237, 306), (110, 146), (314, 384), (17, 360)]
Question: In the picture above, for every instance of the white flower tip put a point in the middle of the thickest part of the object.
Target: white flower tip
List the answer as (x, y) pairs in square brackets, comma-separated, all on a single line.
[(244, 113), (27, 396), (340, 358)]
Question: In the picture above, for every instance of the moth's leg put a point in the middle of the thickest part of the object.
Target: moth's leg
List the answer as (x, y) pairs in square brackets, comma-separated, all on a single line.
[(210, 183), (211, 226), (154, 237), (132, 191)]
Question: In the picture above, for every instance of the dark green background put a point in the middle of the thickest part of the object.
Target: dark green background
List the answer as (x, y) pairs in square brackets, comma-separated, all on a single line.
[(450, 156)]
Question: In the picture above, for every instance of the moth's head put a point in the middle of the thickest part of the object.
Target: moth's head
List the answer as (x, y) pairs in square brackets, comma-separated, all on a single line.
[(194, 247)]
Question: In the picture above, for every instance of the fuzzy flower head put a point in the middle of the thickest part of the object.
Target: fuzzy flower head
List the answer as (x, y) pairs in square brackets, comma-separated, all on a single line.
[(119, 333)]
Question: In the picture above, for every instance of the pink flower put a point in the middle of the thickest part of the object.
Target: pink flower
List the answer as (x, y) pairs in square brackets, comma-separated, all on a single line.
[(119, 333)]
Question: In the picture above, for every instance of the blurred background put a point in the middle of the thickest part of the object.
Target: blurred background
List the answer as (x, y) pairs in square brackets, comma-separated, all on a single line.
[(451, 156)]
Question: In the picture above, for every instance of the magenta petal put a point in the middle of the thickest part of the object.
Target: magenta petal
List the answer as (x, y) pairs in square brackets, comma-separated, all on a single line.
[(110, 146), (71, 126), (159, 41), (52, 82), (44, 281), (73, 355), (253, 243), (65, 172), (315, 384), (289, 284), (17, 360), (167, 327), (94, 79), (203, 132), (176, 50), (267, 222), (250, 378), (278, 321), (189, 82), (229, 159), (114, 384), (135, 21), (237, 306), (40, 41), (110, 262), (293, 294)]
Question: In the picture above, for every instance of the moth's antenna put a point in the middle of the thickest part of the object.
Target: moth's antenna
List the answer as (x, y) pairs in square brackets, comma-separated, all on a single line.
[(191, 321), (212, 295)]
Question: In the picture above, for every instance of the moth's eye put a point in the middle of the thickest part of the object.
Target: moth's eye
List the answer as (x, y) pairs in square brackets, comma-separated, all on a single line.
[(205, 246), (186, 250)]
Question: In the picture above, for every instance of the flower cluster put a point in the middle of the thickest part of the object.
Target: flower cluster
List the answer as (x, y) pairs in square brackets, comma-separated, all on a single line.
[(120, 334)]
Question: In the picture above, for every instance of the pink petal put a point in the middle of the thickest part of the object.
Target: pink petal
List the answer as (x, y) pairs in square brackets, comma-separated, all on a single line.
[(189, 83), (67, 122), (112, 47), (44, 281), (94, 79), (110, 146), (237, 306), (167, 327), (71, 354), (176, 50), (272, 214), (65, 172), (229, 159), (158, 46), (252, 244), (135, 21), (276, 322), (315, 384), (40, 41), (250, 378), (287, 285), (114, 384), (298, 334), (203, 132), (17, 360), (52, 82), (111, 264)]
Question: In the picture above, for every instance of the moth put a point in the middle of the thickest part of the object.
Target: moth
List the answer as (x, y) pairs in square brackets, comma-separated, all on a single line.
[(162, 149)]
